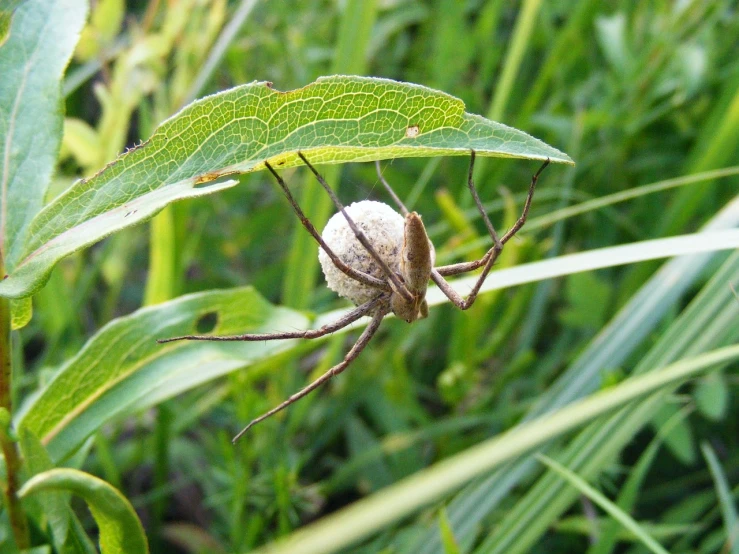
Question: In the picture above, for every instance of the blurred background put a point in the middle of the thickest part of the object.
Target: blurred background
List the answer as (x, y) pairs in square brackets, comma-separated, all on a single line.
[(636, 93)]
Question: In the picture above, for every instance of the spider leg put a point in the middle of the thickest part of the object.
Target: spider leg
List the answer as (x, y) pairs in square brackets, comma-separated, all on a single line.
[(360, 276), (487, 261), (397, 284), (390, 190), (327, 329), (464, 267), (360, 345)]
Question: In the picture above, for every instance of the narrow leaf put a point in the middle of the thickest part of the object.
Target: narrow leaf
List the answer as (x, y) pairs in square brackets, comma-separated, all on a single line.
[(334, 120), (629, 493), (726, 499), (599, 258), (447, 534), (596, 496), (120, 529)]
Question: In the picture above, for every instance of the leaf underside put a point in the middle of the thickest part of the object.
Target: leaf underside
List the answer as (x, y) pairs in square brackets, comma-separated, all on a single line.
[(336, 119)]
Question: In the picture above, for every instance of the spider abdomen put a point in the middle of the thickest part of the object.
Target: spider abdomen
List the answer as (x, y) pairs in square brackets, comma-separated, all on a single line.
[(383, 226)]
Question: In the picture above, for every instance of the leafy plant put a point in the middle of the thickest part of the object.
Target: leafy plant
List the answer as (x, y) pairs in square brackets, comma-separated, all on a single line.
[(449, 413)]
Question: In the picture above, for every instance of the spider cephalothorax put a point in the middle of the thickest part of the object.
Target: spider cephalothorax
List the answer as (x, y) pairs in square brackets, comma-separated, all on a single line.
[(417, 259), (382, 262)]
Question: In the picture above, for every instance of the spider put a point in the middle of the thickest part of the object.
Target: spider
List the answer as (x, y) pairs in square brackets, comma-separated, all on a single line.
[(400, 290)]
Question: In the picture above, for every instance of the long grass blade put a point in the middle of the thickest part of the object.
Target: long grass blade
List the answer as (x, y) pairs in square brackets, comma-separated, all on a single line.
[(601, 500)]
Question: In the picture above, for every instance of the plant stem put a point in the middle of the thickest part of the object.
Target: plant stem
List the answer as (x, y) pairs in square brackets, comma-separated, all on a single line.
[(12, 459)]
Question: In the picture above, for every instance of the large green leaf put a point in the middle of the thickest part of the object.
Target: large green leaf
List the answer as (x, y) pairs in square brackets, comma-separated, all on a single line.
[(123, 366), (334, 120), (32, 61), (120, 529)]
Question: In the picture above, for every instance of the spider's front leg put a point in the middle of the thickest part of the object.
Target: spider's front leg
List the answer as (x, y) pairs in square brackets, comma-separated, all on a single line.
[(349, 318), (368, 280), (487, 261)]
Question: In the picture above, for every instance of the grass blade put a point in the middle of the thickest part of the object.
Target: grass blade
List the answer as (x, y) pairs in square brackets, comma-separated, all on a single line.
[(596, 496), (368, 516), (731, 521)]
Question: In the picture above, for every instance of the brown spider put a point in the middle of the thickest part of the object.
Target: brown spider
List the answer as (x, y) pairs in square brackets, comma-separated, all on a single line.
[(402, 292)]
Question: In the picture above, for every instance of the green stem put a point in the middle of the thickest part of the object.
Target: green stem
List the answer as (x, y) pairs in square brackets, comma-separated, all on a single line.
[(161, 283), (12, 459)]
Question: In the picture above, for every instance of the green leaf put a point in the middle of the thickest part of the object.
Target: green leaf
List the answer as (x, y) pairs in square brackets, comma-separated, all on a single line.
[(122, 367), (588, 300), (337, 119), (21, 311), (598, 258), (77, 540), (629, 493), (712, 396), (448, 541), (55, 504), (681, 441), (105, 23), (120, 528), (32, 62)]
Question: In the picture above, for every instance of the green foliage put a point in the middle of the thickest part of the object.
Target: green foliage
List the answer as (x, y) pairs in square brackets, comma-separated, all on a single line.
[(54, 505), (588, 299), (425, 444), (32, 60), (335, 120), (120, 529), (619, 515), (728, 509), (139, 373), (364, 517)]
